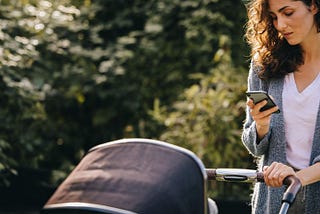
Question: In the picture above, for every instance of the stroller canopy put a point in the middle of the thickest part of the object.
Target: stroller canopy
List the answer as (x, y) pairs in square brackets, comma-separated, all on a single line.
[(133, 176)]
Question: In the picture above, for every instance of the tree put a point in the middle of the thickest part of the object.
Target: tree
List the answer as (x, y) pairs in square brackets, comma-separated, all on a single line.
[(79, 73)]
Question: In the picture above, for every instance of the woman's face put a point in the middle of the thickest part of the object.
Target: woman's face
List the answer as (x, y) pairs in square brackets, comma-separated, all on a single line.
[(293, 19)]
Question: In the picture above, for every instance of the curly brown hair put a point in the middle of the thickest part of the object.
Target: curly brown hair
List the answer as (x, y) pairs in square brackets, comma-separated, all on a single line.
[(270, 51)]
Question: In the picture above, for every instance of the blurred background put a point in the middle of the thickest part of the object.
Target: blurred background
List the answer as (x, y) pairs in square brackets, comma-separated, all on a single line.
[(75, 74)]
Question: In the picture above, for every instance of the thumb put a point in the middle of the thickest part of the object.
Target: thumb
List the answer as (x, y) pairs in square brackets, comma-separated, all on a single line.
[(265, 168)]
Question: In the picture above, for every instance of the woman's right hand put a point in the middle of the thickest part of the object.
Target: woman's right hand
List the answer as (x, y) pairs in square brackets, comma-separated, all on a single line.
[(262, 118)]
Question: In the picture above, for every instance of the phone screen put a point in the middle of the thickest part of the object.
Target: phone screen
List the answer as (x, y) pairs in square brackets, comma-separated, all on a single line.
[(258, 96)]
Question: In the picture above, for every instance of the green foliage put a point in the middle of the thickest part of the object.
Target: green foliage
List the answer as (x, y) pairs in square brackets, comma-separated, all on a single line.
[(26, 27), (208, 117), (79, 73)]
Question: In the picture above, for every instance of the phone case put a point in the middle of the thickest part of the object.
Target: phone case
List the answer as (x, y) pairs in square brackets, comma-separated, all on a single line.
[(258, 96)]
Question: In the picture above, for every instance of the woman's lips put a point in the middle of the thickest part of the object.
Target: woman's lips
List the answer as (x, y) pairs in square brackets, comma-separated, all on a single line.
[(286, 35)]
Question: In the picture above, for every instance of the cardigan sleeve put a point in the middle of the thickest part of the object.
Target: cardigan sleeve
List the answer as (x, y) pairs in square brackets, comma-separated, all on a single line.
[(249, 135), (316, 160), (315, 154)]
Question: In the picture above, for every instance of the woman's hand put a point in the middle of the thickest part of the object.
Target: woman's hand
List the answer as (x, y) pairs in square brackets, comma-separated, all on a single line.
[(276, 173), (262, 118)]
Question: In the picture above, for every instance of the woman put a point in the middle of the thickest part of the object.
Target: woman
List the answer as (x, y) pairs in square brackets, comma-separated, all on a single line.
[(285, 42)]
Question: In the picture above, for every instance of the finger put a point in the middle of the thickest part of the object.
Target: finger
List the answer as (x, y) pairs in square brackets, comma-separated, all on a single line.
[(273, 109), (255, 110), (257, 114), (271, 174), (276, 178), (268, 111), (276, 173), (260, 115), (261, 104), (286, 171), (266, 172), (250, 103)]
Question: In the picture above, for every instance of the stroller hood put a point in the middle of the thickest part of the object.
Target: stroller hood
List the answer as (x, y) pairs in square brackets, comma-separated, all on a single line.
[(136, 176)]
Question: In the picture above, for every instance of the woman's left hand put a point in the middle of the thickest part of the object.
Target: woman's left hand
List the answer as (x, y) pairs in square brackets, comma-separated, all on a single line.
[(276, 173)]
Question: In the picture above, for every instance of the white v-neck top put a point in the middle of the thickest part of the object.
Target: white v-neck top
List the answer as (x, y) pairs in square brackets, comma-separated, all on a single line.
[(300, 114)]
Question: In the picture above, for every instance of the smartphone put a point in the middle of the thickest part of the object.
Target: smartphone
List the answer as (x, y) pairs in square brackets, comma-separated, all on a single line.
[(258, 96)]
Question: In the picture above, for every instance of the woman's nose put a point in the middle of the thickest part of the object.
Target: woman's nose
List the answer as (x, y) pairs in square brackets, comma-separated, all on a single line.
[(281, 24)]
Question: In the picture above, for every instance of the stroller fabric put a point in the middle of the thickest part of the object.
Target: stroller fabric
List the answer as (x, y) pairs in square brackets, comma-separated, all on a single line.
[(134, 176)]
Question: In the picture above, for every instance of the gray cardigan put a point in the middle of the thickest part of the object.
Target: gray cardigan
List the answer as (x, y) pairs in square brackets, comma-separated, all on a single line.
[(273, 148)]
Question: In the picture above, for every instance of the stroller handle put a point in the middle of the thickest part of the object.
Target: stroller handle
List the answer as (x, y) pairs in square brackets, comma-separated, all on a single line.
[(235, 175), (249, 175), (294, 186)]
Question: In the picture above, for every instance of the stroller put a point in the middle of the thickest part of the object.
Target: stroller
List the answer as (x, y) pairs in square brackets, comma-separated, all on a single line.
[(145, 176)]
